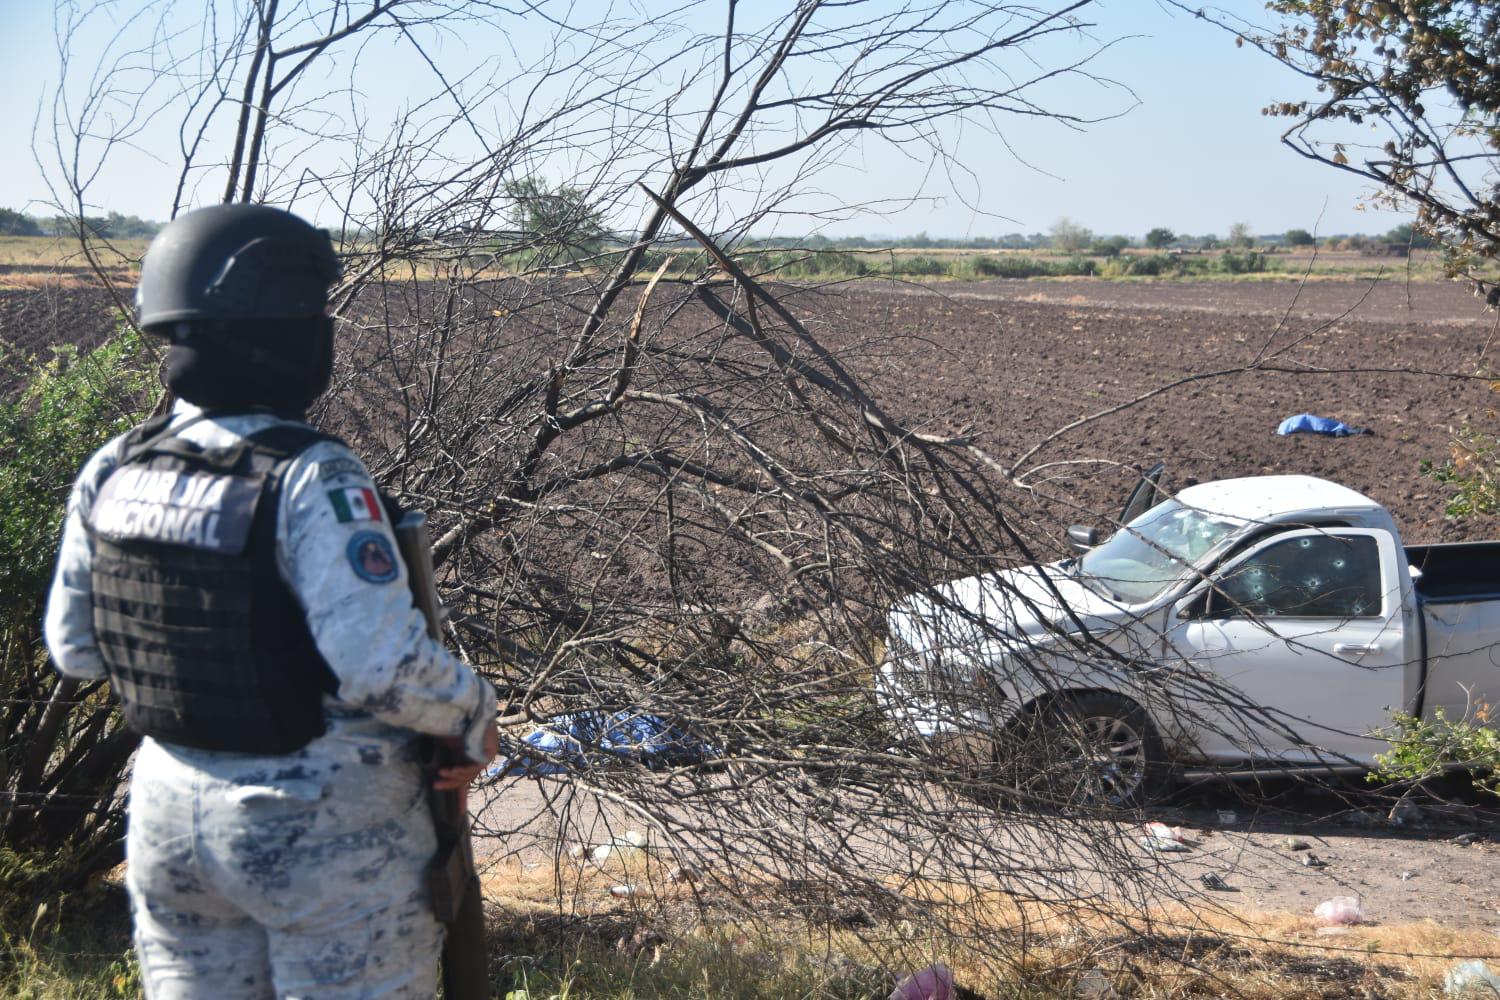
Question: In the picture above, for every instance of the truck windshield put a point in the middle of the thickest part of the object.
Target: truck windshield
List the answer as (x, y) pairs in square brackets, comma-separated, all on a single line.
[(1154, 551)]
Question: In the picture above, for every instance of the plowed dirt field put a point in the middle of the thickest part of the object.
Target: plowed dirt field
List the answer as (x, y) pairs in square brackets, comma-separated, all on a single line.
[(1013, 362)]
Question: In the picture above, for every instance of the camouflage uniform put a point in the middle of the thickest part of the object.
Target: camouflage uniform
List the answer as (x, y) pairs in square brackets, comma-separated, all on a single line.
[(299, 875)]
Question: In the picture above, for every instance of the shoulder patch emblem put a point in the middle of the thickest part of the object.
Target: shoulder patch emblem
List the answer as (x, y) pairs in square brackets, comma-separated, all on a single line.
[(340, 468), (372, 558), (355, 503)]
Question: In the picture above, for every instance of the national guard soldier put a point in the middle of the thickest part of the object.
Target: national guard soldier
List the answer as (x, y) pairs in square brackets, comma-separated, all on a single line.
[(234, 575)]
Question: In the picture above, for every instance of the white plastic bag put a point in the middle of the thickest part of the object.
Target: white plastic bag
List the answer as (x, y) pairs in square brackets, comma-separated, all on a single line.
[(932, 983), (1340, 910), (1473, 979)]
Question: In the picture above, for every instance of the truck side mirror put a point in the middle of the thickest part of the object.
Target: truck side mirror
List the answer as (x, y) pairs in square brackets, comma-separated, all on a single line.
[(1082, 538)]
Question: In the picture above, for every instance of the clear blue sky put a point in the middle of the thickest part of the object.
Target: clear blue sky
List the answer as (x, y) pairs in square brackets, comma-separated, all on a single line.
[(1195, 155)]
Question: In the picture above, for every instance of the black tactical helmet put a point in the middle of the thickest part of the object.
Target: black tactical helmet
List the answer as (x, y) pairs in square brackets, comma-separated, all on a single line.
[(235, 262)]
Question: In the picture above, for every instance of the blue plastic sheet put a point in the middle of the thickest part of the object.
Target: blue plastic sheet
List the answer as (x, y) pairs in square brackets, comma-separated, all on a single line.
[(577, 740), (1307, 423)]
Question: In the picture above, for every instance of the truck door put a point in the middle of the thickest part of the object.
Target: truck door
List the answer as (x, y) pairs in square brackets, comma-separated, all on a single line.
[(1300, 646)]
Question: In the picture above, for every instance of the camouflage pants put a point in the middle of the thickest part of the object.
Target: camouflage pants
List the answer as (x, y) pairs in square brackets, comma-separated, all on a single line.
[(288, 877)]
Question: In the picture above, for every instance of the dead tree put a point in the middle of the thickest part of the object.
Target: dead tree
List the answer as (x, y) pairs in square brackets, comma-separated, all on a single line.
[(662, 486)]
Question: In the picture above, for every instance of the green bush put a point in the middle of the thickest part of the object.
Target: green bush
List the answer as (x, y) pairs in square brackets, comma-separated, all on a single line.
[(1249, 262), (1472, 470), (1422, 749), (62, 750), (922, 267), (1148, 266), (799, 264), (1109, 247), (1009, 266)]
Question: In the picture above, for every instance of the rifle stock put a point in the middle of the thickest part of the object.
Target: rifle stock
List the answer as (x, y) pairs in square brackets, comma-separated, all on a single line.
[(451, 879)]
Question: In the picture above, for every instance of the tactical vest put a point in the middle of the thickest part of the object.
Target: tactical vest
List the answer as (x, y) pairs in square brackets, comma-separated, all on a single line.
[(204, 643)]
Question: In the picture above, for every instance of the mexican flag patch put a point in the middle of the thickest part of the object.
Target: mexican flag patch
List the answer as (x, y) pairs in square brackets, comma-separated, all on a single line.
[(355, 503)]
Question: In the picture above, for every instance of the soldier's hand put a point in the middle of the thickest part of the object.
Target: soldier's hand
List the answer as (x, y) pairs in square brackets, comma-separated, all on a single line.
[(458, 777)]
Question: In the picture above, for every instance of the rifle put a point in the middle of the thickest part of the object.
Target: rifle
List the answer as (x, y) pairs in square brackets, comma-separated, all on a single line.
[(451, 879)]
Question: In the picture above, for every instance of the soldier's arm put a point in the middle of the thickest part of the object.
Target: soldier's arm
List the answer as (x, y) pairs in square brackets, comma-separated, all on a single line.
[(69, 622), (337, 552)]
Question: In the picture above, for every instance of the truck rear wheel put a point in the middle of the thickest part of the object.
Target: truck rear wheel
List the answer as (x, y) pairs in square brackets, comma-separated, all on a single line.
[(1091, 749)]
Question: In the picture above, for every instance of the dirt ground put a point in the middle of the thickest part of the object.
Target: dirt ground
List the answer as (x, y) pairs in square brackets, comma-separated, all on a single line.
[(1011, 362), (1014, 361), (1438, 861)]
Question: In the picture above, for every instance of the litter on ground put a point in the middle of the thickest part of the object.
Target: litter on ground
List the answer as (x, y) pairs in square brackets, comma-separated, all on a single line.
[(1340, 910), (932, 983), (578, 740)]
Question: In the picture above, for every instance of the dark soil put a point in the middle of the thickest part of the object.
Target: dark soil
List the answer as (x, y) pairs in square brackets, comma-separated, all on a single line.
[(1013, 361)]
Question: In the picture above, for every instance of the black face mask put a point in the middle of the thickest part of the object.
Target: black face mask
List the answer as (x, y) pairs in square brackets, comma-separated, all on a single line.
[(280, 365)]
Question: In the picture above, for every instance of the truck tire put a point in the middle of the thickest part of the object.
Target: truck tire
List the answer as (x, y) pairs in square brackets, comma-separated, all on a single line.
[(1085, 750)]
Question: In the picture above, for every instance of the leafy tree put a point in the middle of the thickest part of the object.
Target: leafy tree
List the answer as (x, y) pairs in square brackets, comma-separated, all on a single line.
[(13, 223), (1209, 241), (1406, 235), (113, 226), (1297, 238), (1423, 78), (1069, 237), (1160, 237), (559, 217), (1241, 236)]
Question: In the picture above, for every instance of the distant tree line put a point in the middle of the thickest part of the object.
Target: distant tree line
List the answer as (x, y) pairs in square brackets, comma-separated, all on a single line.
[(550, 212), (112, 226), (1068, 236)]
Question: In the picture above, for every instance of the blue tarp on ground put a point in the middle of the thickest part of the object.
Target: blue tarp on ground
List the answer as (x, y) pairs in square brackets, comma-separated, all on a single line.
[(574, 741), (1307, 423)]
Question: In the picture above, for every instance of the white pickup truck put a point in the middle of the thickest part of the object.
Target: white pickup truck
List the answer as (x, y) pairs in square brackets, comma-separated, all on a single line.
[(1244, 626)]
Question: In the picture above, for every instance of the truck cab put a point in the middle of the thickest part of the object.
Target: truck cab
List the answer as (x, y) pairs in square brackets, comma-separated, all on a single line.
[(1240, 626)]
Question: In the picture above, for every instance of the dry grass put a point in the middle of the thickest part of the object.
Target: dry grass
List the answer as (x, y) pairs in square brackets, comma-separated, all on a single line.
[(668, 940), (47, 252), (558, 934), (31, 263)]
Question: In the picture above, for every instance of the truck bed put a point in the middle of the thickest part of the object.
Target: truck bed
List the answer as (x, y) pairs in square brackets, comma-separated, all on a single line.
[(1459, 589), (1459, 572)]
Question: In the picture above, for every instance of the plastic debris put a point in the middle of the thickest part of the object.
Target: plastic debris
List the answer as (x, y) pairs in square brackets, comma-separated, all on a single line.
[(684, 873), (1295, 844), (1471, 978), (1215, 883), (1466, 839), (1313, 861), (624, 846), (1162, 831), (1228, 817), (1408, 876), (623, 891), (1340, 910), (1162, 845), (932, 983), (1406, 813), (1095, 985), (580, 740), (1307, 423)]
